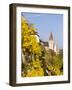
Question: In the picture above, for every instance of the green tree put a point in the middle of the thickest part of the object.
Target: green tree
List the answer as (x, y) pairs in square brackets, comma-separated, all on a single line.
[(31, 49)]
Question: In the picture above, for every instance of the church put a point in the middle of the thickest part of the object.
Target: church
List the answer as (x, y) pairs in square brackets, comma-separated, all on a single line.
[(50, 44)]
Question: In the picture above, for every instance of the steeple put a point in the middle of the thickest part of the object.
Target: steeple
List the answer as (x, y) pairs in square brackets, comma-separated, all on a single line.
[(51, 36)]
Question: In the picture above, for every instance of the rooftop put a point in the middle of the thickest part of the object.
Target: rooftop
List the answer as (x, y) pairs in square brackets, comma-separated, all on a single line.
[(51, 36)]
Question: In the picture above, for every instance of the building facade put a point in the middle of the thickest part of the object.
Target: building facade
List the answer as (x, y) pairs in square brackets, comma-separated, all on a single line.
[(50, 44), (53, 45)]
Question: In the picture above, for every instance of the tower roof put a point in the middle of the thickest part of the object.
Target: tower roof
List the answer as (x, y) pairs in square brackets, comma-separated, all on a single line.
[(51, 36)]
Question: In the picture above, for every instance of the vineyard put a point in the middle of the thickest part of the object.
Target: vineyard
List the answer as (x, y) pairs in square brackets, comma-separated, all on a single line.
[(36, 60)]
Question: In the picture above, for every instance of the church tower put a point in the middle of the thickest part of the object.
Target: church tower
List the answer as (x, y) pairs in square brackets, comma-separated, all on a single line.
[(56, 49), (51, 43)]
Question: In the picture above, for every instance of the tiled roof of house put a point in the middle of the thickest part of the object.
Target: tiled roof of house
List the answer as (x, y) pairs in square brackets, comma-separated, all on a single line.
[(44, 43)]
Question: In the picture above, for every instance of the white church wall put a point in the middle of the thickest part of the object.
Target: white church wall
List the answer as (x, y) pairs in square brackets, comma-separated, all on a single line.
[(51, 44)]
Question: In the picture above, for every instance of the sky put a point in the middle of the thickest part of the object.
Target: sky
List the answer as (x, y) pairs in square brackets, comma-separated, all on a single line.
[(45, 24)]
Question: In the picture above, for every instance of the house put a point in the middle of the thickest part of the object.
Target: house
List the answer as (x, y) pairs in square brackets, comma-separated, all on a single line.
[(50, 44)]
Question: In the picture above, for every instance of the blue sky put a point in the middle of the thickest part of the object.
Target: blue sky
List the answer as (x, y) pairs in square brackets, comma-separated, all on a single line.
[(46, 23)]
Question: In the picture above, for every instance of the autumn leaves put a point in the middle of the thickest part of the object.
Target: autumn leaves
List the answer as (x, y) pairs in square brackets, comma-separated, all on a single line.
[(38, 61)]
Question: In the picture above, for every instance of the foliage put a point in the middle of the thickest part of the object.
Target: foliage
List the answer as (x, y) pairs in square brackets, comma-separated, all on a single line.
[(29, 41), (38, 60), (36, 69)]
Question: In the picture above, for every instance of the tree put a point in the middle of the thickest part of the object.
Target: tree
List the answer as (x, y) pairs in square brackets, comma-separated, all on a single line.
[(37, 61), (54, 62), (31, 49), (29, 42)]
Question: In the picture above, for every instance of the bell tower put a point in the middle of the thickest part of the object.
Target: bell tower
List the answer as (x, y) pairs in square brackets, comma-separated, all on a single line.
[(51, 43)]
